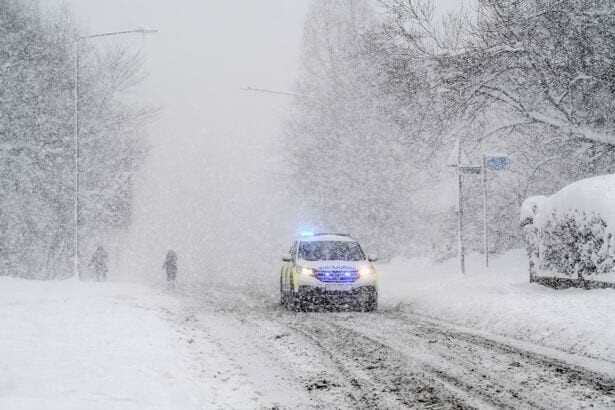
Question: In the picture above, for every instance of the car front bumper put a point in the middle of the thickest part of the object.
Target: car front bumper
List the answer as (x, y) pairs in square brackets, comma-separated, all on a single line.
[(337, 294)]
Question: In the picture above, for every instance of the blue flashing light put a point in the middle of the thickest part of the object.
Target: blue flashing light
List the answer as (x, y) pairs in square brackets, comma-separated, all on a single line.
[(306, 234)]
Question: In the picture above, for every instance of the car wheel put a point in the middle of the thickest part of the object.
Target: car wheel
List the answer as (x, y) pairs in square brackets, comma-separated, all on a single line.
[(307, 303), (373, 303), (369, 301), (291, 298), (283, 294)]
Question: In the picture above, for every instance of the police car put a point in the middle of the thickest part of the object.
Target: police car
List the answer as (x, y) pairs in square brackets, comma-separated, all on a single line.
[(328, 267)]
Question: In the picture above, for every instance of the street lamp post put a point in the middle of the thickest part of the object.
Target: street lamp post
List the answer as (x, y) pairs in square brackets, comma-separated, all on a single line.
[(76, 132)]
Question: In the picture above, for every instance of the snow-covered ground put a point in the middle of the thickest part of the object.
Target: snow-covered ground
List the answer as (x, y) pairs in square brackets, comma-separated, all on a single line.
[(501, 301), (69, 345), (487, 339)]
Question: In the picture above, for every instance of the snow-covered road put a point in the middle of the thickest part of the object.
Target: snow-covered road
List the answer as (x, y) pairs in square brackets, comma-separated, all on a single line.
[(73, 345), (392, 358)]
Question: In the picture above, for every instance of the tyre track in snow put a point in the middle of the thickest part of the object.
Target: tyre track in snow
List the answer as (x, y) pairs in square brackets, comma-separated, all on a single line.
[(601, 384), (351, 371), (507, 340), (260, 330), (448, 383), (381, 378), (392, 359), (457, 377), (502, 375)]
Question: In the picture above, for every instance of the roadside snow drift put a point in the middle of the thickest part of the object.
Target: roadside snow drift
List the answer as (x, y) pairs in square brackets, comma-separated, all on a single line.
[(592, 195), (70, 345), (501, 301)]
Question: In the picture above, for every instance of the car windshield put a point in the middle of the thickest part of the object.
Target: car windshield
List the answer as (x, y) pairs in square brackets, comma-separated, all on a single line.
[(331, 251)]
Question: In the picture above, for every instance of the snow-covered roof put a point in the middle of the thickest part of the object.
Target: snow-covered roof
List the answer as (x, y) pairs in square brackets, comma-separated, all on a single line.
[(329, 237), (592, 195)]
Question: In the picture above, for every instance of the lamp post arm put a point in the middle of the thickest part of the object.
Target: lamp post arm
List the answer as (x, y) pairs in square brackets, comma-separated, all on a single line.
[(115, 33), (267, 91)]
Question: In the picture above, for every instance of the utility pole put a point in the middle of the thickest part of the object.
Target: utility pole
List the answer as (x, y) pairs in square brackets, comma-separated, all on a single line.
[(77, 275), (461, 248), (458, 160)]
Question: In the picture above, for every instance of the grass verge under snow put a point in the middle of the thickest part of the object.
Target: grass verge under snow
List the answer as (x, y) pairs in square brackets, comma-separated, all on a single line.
[(70, 345), (501, 301)]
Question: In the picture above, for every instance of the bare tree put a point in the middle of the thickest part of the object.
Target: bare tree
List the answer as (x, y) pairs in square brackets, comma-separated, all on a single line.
[(531, 78)]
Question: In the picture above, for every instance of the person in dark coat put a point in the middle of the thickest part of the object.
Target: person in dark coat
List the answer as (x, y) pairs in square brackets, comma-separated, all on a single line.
[(170, 265), (100, 260)]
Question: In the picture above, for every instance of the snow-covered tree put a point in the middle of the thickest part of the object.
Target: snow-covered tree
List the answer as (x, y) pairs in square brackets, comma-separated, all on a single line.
[(37, 57), (529, 78), (355, 151)]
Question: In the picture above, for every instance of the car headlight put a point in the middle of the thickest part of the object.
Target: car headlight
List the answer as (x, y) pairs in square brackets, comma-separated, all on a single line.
[(302, 270), (366, 270)]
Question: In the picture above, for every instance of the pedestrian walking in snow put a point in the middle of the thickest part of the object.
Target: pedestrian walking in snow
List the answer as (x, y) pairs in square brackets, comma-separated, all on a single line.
[(100, 260), (170, 265)]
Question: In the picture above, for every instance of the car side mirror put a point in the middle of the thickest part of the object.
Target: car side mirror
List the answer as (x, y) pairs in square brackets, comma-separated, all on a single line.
[(372, 257), (286, 259)]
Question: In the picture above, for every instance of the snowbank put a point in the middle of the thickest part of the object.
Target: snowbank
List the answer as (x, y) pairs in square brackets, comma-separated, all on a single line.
[(501, 301), (571, 234), (529, 208), (70, 345), (592, 196)]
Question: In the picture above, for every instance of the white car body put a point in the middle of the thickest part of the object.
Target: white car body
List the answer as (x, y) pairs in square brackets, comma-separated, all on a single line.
[(325, 280)]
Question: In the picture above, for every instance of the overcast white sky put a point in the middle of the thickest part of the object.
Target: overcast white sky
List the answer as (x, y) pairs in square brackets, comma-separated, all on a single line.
[(212, 143)]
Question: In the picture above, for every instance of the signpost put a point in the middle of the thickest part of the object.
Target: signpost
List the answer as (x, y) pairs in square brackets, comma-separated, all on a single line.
[(497, 162), (459, 160), (462, 256), (471, 170), (491, 162)]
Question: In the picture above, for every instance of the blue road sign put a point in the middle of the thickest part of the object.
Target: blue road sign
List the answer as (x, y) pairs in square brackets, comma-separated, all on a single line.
[(498, 163)]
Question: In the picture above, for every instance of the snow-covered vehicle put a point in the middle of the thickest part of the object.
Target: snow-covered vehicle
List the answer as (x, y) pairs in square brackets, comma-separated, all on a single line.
[(328, 268)]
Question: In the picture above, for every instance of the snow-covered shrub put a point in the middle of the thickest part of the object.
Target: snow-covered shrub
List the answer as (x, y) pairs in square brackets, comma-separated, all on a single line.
[(572, 233), (37, 189), (529, 209), (576, 245)]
